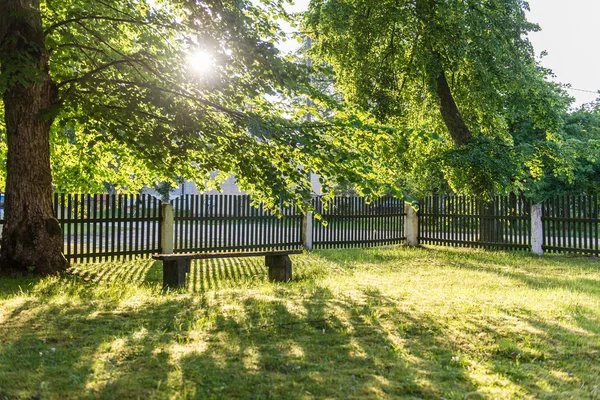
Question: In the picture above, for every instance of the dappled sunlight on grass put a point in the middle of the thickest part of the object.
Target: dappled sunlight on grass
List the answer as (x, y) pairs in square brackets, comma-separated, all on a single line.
[(127, 271), (378, 323)]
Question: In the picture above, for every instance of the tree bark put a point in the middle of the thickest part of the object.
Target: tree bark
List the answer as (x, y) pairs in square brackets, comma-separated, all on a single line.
[(32, 239), (459, 131)]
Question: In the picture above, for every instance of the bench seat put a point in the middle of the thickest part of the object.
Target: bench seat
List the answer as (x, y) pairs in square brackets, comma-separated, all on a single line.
[(176, 266)]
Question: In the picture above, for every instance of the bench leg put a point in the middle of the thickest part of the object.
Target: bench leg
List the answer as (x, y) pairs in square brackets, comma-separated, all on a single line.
[(174, 273), (280, 268)]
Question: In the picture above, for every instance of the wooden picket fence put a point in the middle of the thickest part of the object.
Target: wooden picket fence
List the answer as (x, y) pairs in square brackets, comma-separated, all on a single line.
[(100, 227), (460, 221), (219, 223), (352, 222), (571, 224)]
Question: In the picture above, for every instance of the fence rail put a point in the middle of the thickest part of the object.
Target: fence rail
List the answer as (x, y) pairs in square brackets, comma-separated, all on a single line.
[(229, 222), (352, 222)]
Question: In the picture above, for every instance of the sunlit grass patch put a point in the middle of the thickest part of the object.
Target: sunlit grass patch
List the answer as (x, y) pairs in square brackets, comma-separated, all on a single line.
[(379, 323)]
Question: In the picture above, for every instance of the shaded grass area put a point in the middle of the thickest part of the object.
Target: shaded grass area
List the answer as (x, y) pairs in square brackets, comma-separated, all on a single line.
[(379, 323)]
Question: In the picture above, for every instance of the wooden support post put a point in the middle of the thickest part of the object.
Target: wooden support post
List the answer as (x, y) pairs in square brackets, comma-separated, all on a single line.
[(174, 272), (307, 231), (280, 268), (411, 225), (537, 230), (167, 229)]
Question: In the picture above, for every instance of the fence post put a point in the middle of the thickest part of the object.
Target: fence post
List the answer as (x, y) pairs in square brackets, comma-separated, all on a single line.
[(411, 225), (307, 230), (167, 229), (537, 231)]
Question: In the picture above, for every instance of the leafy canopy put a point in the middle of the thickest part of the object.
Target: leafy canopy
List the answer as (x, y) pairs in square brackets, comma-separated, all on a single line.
[(131, 111), (388, 58), (570, 162)]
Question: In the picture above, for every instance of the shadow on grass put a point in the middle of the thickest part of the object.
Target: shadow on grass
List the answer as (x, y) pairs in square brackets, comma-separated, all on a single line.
[(11, 286), (63, 350), (536, 278), (548, 359), (273, 347), (286, 341), (324, 347), (216, 274), (205, 275), (552, 357)]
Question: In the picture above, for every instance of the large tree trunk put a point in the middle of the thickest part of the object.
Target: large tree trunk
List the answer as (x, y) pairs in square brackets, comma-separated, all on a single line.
[(452, 117), (31, 236)]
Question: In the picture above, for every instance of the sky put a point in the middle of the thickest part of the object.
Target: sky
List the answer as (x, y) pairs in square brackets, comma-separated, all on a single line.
[(570, 34)]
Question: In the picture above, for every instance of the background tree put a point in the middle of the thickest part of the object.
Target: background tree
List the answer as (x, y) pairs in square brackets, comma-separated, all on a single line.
[(447, 73), (570, 161)]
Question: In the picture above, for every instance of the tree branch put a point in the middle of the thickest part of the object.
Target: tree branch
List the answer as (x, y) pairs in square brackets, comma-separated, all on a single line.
[(135, 111), (101, 39), (97, 17), (95, 71)]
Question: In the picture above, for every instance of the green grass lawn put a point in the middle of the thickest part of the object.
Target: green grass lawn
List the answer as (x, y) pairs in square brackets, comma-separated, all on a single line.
[(381, 323)]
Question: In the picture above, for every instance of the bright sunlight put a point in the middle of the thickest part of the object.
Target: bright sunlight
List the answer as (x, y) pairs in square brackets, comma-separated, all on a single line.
[(201, 62)]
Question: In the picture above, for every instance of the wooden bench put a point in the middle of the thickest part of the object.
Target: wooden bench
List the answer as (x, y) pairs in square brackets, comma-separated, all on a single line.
[(176, 266)]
